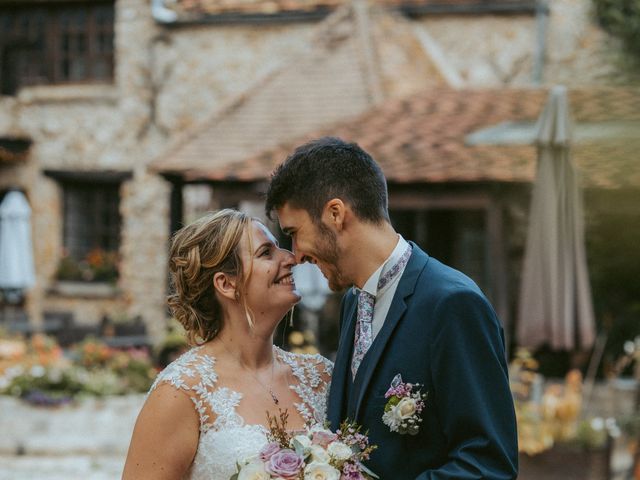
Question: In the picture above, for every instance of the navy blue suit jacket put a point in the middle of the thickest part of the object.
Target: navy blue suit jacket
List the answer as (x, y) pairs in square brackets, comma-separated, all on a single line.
[(440, 332)]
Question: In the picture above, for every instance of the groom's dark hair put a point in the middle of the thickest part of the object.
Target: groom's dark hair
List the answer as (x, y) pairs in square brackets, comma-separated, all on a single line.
[(329, 168)]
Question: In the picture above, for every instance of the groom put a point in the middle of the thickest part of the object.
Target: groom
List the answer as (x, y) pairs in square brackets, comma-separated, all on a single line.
[(407, 314)]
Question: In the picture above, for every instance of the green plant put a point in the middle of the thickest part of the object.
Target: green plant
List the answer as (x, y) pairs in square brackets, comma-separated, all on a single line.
[(614, 263), (43, 375), (621, 18), (96, 266), (595, 432)]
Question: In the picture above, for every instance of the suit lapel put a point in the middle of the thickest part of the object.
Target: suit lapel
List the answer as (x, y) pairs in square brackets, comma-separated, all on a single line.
[(340, 375), (406, 286)]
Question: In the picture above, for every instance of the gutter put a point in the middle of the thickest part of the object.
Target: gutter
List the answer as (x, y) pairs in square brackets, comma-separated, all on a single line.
[(542, 20), (167, 17), (486, 8)]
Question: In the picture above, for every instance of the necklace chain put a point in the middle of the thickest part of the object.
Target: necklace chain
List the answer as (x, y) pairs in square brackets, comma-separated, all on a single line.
[(268, 388)]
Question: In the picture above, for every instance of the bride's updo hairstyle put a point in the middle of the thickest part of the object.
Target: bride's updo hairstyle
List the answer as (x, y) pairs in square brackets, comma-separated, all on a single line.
[(199, 250)]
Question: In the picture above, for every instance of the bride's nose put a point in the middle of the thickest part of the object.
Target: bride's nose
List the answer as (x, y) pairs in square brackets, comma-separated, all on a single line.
[(288, 258)]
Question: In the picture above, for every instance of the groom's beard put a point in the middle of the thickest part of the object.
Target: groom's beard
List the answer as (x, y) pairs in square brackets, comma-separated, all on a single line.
[(328, 255)]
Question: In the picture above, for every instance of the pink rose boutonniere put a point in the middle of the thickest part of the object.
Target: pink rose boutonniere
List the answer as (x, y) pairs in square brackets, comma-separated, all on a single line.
[(402, 412)]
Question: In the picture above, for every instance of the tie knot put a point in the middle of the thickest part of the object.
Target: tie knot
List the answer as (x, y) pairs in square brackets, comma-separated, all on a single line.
[(365, 296), (366, 302)]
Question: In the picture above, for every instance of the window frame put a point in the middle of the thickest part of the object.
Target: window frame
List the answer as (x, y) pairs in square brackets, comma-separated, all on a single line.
[(95, 234), (41, 36)]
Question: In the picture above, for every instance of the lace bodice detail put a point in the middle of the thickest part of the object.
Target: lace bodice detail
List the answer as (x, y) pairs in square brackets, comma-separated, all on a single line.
[(224, 436)]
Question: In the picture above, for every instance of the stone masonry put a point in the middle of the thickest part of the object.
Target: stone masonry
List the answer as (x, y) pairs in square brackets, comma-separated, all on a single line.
[(168, 80)]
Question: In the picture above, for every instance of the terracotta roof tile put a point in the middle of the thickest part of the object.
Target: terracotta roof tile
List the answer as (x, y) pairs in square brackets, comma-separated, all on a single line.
[(326, 82), (423, 138)]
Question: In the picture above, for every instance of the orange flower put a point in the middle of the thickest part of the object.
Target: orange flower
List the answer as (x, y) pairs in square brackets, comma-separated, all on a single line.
[(96, 258)]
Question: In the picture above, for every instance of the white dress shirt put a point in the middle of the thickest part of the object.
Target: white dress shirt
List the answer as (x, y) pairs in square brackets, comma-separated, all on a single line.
[(384, 296)]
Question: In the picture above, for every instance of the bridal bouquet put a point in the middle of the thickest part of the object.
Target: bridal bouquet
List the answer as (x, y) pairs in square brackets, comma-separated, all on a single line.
[(315, 454)]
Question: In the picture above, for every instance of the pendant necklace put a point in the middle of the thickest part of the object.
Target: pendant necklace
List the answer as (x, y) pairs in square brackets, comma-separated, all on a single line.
[(274, 397), (266, 387)]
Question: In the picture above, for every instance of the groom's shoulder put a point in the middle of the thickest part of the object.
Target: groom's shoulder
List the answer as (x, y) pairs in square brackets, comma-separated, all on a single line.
[(438, 279)]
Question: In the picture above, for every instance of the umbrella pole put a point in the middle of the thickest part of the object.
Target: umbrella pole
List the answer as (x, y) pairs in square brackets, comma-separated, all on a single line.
[(592, 370)]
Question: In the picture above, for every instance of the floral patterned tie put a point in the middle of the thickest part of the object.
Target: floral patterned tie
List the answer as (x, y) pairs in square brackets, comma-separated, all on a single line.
[(364, 323)]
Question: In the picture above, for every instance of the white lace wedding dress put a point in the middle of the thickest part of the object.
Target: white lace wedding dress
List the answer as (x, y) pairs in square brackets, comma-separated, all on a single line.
[(227, 438)]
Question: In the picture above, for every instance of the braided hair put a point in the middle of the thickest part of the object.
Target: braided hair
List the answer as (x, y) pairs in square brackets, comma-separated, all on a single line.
[(199, 251)]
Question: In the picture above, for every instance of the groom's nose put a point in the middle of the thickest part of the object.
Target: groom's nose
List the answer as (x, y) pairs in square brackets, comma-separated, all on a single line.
[(289, 257), (299, 256), (302, 258)]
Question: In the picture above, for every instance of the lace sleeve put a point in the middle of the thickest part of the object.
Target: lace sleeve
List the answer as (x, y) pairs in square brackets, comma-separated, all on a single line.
[(313, 373), (192, 373)]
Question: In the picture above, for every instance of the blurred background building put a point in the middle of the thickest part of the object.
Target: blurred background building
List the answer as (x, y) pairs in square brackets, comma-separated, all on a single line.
[(121, 120)]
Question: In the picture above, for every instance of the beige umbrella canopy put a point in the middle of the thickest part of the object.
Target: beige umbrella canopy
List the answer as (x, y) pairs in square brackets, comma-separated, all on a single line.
[(555, 296)]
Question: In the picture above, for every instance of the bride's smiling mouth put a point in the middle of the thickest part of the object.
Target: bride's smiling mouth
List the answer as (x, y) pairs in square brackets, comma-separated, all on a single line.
[(286, 279)]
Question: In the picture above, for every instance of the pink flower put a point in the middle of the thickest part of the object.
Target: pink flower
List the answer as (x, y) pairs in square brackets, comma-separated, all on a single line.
[(350, 471), (285, 463), (352, 476), (269, 450), (323, 438)]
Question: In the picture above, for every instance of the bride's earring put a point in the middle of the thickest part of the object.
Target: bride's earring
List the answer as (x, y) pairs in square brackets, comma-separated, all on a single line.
[(291, 317)]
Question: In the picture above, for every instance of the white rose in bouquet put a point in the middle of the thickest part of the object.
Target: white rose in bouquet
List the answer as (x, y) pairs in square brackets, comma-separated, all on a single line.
[(321, 471), (340, 451), (319, 454), (253, 471)]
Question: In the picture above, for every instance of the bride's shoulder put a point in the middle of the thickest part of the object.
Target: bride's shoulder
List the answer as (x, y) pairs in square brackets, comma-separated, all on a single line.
[(311, 362), (192, 368)]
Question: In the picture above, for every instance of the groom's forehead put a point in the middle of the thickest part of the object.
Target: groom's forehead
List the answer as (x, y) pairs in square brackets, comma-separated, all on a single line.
[(290, 217)]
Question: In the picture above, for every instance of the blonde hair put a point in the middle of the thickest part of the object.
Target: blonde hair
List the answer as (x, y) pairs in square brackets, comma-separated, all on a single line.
[(198, 251)]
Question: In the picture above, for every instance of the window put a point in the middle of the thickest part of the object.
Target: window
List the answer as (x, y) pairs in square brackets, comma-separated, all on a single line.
[(58, 43), (456, 237), (91, 218)]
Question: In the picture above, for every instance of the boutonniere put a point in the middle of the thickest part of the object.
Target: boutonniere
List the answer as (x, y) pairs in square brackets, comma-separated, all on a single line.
[(403, 410)]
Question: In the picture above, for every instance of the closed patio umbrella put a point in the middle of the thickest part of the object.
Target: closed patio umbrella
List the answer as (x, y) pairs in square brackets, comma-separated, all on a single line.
[(16, 250), (555, 304)]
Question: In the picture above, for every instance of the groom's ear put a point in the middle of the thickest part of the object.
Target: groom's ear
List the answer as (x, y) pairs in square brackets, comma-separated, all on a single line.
[(334, 213)]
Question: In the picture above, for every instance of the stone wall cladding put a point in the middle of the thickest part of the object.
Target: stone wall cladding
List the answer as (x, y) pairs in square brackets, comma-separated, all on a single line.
[(495, 50), (168, 80)]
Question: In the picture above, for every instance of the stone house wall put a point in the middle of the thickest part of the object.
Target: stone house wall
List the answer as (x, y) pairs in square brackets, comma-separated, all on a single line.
[(168, 79), (499, 50)]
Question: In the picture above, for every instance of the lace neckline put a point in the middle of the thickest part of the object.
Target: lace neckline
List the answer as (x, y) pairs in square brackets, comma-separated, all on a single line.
[(194, 372), (237, 396)]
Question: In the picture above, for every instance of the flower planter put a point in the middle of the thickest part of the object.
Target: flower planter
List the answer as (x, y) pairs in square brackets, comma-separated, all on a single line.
[(84, 289), (566, 462)]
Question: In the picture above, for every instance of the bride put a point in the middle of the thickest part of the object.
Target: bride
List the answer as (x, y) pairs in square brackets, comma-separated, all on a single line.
[(207, 410)]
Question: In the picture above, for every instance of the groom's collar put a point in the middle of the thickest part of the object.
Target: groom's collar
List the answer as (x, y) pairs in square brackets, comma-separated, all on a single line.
[(371, 285)]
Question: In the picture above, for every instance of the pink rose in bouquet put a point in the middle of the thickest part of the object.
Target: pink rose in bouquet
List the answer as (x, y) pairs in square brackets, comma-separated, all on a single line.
[(315, 454), (286, 464)]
